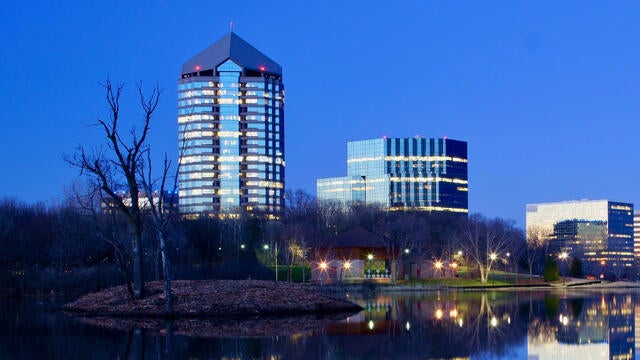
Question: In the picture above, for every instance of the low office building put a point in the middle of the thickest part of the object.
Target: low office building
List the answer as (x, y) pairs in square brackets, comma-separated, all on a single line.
[(403, 174), (598, 232), (636, 240)]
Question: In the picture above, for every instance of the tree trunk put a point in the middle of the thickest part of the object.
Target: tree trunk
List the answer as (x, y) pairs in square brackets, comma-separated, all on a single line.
[(483, 278), (166, 273), (138, 277), (125, 271)]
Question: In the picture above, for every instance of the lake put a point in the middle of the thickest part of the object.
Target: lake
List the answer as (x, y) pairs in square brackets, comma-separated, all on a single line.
[(435, 325)]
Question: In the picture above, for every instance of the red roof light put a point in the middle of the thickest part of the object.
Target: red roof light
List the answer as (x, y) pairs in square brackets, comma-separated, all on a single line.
[(197, 67), (262, 68)]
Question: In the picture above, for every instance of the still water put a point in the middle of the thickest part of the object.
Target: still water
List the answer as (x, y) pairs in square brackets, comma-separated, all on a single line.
[(438, 325)]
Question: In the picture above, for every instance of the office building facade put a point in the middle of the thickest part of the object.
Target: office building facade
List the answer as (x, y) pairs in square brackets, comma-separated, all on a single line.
[(598, 232), (403, 174), (231, 132)]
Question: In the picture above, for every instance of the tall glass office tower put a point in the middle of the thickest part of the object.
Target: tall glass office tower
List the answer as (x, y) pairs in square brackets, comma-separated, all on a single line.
[(231, 132), (403, 174)]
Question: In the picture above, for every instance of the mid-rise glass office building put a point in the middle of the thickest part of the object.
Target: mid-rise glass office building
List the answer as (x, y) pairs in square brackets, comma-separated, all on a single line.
[(231, 131), (598, 232), (403, 174)]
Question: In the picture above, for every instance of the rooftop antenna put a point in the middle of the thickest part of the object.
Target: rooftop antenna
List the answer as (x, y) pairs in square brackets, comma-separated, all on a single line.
[(231, 26)]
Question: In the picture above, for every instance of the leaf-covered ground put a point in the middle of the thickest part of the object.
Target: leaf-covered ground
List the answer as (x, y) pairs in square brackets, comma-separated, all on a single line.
[(213, 298)]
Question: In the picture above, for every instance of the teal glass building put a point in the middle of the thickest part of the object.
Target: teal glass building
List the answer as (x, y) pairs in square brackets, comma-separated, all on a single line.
[(403, 174), (231, 132)]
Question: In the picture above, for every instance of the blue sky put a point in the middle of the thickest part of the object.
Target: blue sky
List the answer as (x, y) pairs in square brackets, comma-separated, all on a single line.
[(545, 92)]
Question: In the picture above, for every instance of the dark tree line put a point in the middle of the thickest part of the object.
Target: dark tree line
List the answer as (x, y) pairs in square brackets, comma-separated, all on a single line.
[(121, 226), (82, 237)]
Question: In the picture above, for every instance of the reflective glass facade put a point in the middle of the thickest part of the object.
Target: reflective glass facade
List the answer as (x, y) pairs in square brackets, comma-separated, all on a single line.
[(343, 189), (636, 239), (598, 232), (231, 132), (403, 174)]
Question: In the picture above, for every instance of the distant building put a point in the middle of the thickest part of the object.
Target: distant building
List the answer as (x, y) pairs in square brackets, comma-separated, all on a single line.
[(636, 239), (169, 201), (403, 174), (231, 131), (598, 232)]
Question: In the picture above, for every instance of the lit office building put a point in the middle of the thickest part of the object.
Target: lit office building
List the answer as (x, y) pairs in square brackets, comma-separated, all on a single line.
[(403, 174), (636, 239), (598, 232), (231, 131)]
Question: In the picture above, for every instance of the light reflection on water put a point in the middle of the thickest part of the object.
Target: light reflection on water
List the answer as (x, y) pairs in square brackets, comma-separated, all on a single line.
[(442, 325)]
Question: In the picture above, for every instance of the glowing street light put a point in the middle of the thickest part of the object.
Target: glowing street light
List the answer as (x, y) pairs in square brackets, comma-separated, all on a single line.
[(494, 321), (563, 257), (265, 246), (493, 256), (438, 265), (370, 257), (406, 251), (347, 265), (564, 320), (323, 265)]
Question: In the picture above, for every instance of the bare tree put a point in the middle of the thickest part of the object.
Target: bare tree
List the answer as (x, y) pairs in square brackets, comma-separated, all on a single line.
[(108, 225), (118, 166), (401, 233), (162, 207), (535, 245), (484, 242)]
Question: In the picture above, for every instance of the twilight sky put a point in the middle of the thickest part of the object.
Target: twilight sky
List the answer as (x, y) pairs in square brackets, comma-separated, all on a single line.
[(546, 93)]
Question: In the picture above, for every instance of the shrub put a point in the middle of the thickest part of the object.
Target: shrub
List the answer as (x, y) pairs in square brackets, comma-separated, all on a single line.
[(550, 271), (575, 268)]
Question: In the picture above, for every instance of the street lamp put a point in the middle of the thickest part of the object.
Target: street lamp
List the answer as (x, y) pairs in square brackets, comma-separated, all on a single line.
[(438, 266), (563, 257), (506, 263), (493, 257)]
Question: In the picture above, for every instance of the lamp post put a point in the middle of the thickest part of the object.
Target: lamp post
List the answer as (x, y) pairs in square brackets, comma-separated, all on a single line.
[(346, 266), (438, 266), (492, 257), (563, 257), (369, 274)]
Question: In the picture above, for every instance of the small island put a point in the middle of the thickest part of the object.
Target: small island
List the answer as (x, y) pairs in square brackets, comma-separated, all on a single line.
[(212, 298)]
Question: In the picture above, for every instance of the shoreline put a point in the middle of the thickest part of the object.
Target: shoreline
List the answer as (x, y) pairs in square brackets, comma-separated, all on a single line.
[(578, 284)]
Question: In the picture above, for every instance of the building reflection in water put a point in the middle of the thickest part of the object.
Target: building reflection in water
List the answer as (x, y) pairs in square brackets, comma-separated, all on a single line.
[(579, 326), (441, 325), (430, 325)]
